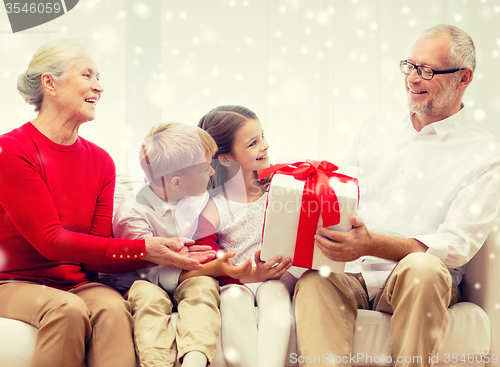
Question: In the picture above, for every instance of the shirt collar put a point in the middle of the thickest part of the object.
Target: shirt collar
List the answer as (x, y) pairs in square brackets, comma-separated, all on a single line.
[(160, 206), (444, 127)]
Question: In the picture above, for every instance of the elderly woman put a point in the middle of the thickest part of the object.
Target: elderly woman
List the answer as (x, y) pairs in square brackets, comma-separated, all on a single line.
[(56, 193)]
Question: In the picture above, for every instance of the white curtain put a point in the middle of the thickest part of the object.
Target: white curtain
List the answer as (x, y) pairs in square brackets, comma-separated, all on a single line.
[(312, 70)]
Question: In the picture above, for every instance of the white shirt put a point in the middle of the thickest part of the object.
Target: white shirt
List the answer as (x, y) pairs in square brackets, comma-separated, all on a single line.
[(439, 186), (146, 215)]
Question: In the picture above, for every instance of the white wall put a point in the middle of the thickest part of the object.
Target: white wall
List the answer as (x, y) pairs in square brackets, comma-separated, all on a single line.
[(312, 70)]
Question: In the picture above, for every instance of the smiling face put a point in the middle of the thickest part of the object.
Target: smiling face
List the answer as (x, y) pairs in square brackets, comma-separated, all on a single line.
[(78, 91), (250, 147), (438, 98)]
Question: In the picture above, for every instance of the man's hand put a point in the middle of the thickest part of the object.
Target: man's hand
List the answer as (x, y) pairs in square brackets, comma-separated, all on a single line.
[(170, 252), (234, 271), (345, 246), (349, 246)]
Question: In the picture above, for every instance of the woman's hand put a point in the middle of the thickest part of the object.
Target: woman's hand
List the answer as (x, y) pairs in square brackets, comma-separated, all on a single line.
[(171, 252), (233, 271), (201, 253)]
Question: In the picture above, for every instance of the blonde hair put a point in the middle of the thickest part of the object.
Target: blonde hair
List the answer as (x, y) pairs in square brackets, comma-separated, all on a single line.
[(173, 148), (55, 58)]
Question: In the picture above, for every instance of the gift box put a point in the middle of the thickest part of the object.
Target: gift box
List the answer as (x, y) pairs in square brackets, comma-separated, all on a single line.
[(303, 196)]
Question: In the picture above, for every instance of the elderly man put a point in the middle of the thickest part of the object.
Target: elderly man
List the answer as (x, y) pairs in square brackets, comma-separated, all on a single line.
[(434, 180)]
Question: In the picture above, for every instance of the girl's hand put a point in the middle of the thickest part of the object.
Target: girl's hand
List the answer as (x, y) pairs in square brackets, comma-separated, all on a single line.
[(272, 269), (234, 271)]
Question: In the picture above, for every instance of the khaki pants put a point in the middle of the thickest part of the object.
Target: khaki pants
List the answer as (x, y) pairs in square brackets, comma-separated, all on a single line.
[(89, 323), (198, 322), (417, 294)]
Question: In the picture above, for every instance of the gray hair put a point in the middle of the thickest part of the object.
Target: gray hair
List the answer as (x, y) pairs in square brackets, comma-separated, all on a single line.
[(55, 58), (462, 50)]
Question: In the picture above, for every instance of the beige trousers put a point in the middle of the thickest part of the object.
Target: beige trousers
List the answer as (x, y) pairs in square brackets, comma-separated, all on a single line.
[(89, 323), (417, 294), (198, 322)]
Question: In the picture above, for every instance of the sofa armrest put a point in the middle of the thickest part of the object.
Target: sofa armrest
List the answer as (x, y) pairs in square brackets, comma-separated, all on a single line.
[(481, 284)]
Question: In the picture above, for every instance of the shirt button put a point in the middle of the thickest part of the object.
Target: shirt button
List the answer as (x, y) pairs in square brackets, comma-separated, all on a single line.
[(142, 254), (114, 255), (121, 256), (128, 256)]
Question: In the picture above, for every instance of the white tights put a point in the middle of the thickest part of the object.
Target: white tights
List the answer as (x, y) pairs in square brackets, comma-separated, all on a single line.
[(255, 340)]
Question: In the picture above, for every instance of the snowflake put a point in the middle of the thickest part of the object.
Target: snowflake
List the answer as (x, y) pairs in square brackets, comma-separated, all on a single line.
[(324, 271), (322, 17), (231, 355), (475, 209), (479, 114), (142, 9)]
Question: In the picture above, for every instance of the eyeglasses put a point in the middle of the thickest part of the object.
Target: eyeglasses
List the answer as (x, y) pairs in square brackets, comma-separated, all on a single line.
[(424, 72)]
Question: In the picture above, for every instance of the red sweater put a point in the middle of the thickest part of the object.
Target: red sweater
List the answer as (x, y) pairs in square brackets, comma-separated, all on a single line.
[(56, 204), (205, 235)]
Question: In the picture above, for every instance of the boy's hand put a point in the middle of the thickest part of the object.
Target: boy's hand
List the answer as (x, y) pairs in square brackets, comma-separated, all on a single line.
[(201, 253), (234, 271), (169, 252), (272, 269)]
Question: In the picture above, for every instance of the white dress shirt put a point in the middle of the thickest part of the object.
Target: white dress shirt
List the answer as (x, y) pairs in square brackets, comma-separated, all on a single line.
[(146, 215), (439, 186)]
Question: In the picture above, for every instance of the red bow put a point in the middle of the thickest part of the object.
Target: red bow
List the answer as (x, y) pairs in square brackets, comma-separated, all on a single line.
[(318, 193)]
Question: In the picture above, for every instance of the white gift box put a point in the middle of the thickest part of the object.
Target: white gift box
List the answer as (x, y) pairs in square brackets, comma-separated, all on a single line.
[(283, 212)]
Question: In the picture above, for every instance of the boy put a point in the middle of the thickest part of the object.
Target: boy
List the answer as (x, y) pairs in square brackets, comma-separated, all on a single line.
[(176, 161)]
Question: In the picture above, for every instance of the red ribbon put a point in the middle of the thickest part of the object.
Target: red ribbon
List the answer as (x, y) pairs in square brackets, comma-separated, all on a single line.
[(318, 193)]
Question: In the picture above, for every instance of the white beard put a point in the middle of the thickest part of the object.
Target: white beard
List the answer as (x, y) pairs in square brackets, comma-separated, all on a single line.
[(434, 106)]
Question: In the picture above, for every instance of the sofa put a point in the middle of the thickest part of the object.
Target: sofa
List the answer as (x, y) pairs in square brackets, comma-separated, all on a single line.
[(472, 337)]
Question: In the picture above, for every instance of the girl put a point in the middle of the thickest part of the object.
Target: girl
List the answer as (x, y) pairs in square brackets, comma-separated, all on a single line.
[(237, 215)]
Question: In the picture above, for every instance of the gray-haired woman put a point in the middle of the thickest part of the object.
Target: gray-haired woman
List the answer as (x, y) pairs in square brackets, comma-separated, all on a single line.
[(56, 194)]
